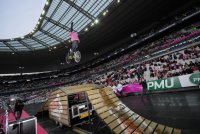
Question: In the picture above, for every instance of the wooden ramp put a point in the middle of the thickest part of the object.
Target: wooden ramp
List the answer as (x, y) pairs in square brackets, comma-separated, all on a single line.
[(119, 118)]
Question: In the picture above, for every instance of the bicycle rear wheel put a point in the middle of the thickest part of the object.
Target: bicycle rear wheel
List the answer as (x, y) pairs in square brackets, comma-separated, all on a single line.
[(77, 56)]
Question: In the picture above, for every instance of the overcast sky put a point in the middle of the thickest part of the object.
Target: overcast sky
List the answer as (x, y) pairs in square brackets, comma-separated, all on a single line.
[(19, 17)]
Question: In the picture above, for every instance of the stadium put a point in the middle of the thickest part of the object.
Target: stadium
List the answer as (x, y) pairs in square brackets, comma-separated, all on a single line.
[(103, 66)]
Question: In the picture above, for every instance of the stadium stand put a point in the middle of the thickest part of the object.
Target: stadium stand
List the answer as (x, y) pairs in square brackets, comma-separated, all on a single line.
[(151, 55), (180, 49)]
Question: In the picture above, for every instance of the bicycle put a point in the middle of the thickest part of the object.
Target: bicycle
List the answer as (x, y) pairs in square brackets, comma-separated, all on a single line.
[(76, 56)]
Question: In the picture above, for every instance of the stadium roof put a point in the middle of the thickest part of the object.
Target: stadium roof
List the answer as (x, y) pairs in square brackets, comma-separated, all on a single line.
[(45, 48), (54, 23)]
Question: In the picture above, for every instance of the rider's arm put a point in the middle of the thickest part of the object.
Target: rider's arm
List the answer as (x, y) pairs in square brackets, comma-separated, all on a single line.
[(71, 29)]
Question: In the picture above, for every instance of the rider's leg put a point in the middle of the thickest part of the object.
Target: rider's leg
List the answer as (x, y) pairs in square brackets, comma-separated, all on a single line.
[(74, 46)]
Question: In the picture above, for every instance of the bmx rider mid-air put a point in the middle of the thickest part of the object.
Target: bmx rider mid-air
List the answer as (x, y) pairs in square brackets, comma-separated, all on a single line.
[(74, 40), (73, 52)]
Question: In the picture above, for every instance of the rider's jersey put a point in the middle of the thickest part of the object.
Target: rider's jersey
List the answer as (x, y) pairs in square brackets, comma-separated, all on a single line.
[(74, 37)]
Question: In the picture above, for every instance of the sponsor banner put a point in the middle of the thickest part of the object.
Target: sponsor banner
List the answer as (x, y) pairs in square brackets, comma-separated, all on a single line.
[(195, 78), (175, 82), (132, 88)]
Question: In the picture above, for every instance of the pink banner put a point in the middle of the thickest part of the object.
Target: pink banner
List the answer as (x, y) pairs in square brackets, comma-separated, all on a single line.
[(132, 88), (181, 39)]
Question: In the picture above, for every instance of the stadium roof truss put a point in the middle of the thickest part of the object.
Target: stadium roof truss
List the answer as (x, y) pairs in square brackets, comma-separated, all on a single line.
[(54, 24)]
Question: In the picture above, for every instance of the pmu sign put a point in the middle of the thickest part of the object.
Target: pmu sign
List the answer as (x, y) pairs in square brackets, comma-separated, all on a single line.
[(188, 80), (164, 84), (195, 78)]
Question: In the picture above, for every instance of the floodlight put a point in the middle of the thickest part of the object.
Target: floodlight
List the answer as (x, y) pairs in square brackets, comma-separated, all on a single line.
[(47, 3), (86, 29), (43, 12), (96, 21)]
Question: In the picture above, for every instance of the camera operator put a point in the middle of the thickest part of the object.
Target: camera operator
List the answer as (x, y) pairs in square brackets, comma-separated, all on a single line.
[(18, 109)]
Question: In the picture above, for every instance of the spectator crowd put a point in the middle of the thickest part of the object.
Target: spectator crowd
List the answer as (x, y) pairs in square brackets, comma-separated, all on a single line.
[(173, 55)]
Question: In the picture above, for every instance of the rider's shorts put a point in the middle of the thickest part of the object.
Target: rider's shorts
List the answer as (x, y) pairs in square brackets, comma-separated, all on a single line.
[(74, 45)]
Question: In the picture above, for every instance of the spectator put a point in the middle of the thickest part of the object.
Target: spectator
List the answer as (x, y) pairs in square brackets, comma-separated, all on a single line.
[(114, 88), (119, 88), (144, 86), (18, 109)]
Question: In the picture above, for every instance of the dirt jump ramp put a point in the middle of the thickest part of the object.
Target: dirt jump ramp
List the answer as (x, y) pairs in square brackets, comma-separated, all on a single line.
[(116, 115)]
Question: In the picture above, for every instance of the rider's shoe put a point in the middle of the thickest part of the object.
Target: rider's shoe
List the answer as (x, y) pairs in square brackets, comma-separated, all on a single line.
[(70, 57), (74, 55)]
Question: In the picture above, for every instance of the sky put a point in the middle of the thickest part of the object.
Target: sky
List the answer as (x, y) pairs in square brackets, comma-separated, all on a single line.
[(19, 17)]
